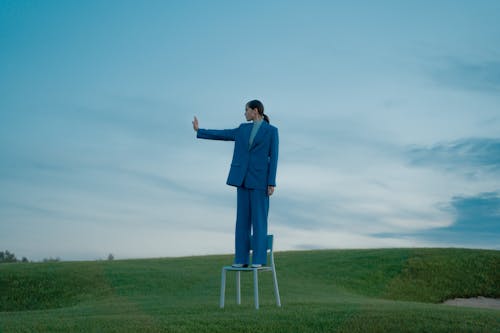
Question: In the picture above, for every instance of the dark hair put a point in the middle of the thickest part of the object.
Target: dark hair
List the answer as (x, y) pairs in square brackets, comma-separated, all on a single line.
[(256, 104)]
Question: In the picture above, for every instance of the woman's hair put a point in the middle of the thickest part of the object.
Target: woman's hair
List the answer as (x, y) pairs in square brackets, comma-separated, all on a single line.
[(256, 104)]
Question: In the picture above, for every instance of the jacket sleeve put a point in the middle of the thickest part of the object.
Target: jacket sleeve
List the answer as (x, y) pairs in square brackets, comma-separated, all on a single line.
[(225, 135), (273, 158)]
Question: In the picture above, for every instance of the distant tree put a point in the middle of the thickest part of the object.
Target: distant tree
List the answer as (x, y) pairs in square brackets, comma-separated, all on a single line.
[(25, 259), (111, 256), (52, 259), (7, 257)]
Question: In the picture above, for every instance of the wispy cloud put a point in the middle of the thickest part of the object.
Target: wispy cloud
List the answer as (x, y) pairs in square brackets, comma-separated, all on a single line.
[(479, 213), (463, 169), (470, 75), (476, 223), (470, 156)]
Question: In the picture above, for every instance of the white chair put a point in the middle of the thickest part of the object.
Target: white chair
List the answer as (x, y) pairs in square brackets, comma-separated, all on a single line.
[(270, 268)]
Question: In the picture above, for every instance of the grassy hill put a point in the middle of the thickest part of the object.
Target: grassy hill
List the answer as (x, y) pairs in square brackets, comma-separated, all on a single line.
[(386, 290)]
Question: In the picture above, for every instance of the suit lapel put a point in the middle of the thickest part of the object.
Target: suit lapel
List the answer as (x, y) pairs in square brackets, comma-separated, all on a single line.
[(260, 133), (248, 131)]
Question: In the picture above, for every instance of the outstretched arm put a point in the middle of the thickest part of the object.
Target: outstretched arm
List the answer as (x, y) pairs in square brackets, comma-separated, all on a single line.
[(226, 135)]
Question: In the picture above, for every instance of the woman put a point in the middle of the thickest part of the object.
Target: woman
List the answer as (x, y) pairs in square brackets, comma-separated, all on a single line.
[(253, 172)]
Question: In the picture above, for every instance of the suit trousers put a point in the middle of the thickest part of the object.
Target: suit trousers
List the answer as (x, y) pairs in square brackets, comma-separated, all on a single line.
[(252, 212)]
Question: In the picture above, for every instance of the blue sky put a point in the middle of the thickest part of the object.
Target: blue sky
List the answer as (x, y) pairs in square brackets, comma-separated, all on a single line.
[(388, 112)]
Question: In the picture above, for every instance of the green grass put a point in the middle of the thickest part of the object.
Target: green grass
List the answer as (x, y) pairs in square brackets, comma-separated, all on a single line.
[(387, 290)]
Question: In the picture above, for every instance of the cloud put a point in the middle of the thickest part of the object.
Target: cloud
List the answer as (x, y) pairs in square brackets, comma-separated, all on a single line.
[(364, 189), (477, 222), (467, 172), (476, 76), (480, 213), (471, 156), (324, 238)]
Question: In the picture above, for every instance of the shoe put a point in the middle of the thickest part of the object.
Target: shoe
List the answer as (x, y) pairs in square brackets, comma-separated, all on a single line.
[(239, 265), (256, 265)]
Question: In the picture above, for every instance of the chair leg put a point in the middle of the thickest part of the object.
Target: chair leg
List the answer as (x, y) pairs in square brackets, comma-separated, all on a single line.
[(256, 287), (238, 289), (276, 289), (222, 288)]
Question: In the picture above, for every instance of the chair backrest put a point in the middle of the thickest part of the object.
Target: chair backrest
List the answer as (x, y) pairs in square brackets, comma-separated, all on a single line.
[(269, 243)]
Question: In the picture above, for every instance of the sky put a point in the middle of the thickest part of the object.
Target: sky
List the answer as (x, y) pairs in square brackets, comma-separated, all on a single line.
[(388, 115)]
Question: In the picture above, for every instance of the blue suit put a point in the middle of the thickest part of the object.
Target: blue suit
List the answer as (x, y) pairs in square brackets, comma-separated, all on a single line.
[(253, 169)]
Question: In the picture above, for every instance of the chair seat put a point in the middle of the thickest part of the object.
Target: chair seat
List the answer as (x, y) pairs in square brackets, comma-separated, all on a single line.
[(248, 269)]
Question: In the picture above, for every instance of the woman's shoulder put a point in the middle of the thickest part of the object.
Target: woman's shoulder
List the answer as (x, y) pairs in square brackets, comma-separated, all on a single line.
[(265, 124), (272, 127), (245, 124)]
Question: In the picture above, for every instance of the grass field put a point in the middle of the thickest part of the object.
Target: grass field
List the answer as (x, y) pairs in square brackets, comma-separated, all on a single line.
[(386, 290)]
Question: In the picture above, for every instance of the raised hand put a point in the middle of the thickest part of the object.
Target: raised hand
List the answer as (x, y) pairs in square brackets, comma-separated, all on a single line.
[(195, 124)]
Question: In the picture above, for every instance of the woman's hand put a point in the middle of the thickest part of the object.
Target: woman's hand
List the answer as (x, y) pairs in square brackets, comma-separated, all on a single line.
[(195, 124), (270, 190)]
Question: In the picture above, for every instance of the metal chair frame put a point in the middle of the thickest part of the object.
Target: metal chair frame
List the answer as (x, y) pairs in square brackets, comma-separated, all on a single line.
[(269, 268)]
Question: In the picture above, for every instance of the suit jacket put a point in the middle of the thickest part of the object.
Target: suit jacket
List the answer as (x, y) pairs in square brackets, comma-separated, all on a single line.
[(255, 166)]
